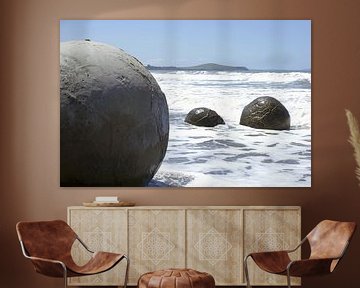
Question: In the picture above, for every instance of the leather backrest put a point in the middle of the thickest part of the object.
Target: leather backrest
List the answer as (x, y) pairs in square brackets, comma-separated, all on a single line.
[(47, 239), (329, 238)]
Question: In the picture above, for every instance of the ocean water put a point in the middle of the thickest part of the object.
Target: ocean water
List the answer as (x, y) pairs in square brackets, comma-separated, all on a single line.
[(233, 155)]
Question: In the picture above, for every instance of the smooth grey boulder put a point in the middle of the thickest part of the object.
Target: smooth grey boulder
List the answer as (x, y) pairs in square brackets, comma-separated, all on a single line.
[(114, 124), (266, 113), (203, 117)]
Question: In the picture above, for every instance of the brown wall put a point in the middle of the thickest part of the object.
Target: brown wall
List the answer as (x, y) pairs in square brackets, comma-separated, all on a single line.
[(29, 119)]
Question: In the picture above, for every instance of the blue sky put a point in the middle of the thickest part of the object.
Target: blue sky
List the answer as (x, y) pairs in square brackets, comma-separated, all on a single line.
[(256, 44)]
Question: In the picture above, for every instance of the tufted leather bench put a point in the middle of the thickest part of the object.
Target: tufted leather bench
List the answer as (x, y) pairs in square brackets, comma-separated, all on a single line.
[(176, 278)]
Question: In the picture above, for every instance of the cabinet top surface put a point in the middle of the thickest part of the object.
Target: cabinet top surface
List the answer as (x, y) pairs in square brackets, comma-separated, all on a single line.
[(192, 207)]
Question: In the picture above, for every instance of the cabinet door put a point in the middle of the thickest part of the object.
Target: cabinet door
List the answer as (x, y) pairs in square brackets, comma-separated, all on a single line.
[(156, 240), (214, 244), (270, 230), (101, 230)]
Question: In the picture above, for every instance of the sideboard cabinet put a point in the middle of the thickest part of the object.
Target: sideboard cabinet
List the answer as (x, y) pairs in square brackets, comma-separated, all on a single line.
[(212, 239)]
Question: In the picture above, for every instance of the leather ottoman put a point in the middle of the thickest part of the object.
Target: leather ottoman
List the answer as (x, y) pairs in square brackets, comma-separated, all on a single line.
[(176, 278)]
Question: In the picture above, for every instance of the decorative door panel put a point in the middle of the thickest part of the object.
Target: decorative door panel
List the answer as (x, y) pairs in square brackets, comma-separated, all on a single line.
[(100, 230), (156, 240), (214, 244), (269, 230)]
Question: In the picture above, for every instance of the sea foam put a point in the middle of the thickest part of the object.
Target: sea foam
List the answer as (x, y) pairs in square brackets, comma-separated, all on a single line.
[(233, 155)]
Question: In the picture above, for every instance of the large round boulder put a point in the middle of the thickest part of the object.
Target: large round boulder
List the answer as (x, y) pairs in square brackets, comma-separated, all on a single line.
[(203, 117), (266, 113), (114, 124)]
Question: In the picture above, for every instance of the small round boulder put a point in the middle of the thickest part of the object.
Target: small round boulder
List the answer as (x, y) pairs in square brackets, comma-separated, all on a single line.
[(114, 118), (203, 117), (266, 113)]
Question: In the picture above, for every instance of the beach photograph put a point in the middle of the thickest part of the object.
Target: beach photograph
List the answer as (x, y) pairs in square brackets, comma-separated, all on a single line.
[(185, 103)]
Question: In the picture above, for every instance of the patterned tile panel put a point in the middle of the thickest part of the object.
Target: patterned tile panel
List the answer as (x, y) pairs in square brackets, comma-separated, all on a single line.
[(270, 230), (100, 230), (157, 240), (214, 241), (156, 246)]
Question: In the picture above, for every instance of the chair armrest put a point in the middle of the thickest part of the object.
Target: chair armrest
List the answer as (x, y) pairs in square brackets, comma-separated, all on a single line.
[(309, 267), (280, 251), (271, 261), (84, 245), (268, 253), (46, 260), (298, 246), (48, 267)]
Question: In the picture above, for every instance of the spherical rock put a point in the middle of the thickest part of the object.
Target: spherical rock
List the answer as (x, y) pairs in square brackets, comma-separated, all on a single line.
[(266, 113), (203, 117), (114, 124)]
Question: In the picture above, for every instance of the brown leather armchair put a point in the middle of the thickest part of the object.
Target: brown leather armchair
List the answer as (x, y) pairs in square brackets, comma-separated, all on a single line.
[(328, 242), (48, 245)]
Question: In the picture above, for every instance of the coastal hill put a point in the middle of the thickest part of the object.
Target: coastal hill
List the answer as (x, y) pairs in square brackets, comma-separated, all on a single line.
[(202, 67)]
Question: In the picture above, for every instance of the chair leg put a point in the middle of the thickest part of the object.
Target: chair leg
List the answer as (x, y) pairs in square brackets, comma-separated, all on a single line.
[(65, 275), (127, 271), (246, 270), (288, 278)]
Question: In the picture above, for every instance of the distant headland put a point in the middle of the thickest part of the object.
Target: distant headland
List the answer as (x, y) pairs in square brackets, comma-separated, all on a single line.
[(202, 67)]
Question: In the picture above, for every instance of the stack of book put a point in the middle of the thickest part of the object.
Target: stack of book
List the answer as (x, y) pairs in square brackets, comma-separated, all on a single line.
[(106, 199)]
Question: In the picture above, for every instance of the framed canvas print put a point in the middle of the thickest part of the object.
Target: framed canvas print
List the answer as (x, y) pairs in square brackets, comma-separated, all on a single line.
[(185, 103)]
